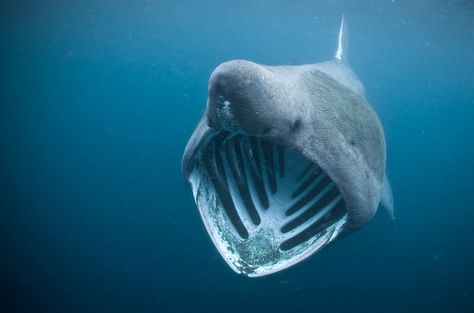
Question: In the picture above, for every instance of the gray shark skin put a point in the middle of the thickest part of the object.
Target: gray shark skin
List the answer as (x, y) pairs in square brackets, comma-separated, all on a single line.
[(285, 160)]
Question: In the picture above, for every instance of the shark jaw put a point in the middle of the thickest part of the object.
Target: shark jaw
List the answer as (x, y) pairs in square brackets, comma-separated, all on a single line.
[(264, 205)]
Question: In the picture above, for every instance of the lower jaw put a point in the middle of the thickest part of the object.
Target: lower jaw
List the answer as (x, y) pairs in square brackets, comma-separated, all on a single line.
[(264, 205)]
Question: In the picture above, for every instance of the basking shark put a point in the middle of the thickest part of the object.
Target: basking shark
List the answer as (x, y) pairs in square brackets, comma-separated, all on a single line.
[(285, 160)]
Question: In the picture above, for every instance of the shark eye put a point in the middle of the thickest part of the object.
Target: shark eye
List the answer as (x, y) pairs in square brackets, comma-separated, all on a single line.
[(265, 206), (296, 125)]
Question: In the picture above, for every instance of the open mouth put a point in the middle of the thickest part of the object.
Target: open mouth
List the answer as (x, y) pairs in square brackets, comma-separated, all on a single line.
[(264, 205)]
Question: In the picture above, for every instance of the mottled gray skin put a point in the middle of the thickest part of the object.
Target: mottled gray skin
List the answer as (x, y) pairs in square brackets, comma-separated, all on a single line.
[(317, 109)]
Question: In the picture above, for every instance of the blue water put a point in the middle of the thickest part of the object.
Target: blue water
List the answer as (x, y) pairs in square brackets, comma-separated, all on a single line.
[(99, 98)]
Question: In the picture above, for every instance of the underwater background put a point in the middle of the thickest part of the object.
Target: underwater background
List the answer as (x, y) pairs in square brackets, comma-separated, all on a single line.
[(99, 98)]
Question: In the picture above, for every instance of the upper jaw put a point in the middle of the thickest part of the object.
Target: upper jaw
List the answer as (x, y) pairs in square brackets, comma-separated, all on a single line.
[(264, 205)]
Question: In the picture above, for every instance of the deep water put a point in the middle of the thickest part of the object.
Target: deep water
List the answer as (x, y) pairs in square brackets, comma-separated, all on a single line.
[(98, 99)]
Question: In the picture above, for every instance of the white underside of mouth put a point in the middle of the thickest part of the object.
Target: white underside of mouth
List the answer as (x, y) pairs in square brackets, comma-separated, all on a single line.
[(264, 205)]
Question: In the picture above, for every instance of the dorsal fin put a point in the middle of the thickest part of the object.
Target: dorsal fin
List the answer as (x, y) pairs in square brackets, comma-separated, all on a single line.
[(341, 52), (338, 68)]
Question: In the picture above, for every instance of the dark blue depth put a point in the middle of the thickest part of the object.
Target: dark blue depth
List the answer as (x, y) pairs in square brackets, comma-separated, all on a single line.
[(99, 98)]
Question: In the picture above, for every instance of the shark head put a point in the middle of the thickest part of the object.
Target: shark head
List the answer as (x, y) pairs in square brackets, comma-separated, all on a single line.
[(240, 94), (285, 160)]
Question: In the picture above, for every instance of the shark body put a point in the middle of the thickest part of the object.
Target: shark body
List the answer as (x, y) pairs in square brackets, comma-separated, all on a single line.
[(285, 160)]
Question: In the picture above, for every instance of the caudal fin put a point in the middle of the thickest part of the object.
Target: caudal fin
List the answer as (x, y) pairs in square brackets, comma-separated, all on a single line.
[(341, 52)]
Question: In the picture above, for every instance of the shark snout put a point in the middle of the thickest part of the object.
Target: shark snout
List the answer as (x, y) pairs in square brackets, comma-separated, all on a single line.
[(234, 90), (240, 100)]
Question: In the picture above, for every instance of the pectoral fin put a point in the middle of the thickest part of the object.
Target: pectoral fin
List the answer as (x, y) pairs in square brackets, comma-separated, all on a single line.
[(386, 200)]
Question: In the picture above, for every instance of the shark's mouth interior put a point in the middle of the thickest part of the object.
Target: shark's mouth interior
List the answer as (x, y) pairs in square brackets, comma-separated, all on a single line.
[(264, 205)]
